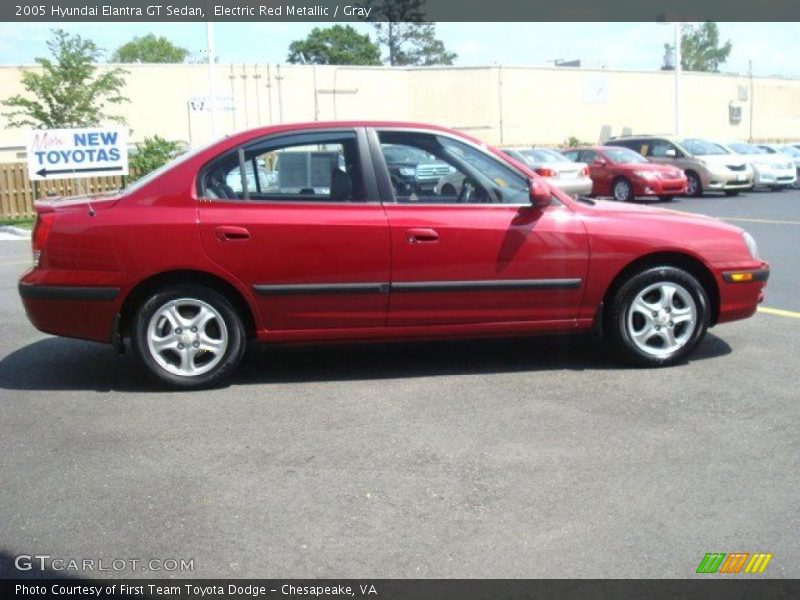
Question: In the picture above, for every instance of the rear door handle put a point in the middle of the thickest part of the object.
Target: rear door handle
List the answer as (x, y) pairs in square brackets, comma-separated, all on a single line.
[(421, 236), (227, 233)]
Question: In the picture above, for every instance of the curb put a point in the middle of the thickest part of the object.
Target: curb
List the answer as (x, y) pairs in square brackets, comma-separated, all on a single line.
[(9, 232)]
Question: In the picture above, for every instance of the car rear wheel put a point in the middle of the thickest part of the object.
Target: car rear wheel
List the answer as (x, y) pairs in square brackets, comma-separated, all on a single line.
[(188, 336), (622, 190), (658, 317), (694, 187)]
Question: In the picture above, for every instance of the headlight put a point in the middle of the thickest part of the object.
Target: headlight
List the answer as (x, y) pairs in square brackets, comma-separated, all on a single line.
[(407, 171), (751, 244), (646, 174)]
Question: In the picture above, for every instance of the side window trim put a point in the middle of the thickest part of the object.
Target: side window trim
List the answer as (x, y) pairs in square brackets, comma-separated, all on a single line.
[(383, 177), (293, 138)]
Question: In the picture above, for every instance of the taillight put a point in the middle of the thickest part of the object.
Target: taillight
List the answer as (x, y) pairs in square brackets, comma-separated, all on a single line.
[(546, 172), (585, 171), (41, 229)]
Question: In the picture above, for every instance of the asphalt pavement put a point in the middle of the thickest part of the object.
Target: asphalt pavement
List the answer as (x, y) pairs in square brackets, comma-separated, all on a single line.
[(511, 458)]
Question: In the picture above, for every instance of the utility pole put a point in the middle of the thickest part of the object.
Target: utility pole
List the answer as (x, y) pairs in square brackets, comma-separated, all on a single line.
[(256, 77), (677, 78), (750, 63), (212, 93)]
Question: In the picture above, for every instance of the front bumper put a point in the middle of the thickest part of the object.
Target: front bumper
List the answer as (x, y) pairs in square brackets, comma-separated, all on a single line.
[(659, 187), (770, 176), (741, 291), (724, 180)]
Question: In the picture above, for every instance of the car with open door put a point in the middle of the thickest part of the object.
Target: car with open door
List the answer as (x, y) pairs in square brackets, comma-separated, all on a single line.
[(328, 246)]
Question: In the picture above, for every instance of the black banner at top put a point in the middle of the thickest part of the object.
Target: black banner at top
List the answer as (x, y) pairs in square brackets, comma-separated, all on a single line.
[(380, 10)]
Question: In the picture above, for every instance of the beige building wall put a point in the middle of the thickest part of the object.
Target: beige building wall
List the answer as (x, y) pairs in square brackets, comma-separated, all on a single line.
[(501, 105)]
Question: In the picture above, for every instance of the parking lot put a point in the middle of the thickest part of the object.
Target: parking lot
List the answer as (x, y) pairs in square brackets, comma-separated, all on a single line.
[(508, 458)]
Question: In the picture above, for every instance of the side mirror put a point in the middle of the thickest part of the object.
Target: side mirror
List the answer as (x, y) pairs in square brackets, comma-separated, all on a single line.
[(539, 193), (671, 153)]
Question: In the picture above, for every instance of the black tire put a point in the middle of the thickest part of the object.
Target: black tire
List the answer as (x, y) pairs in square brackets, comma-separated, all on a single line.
[(731, 192), (448, 190), (666, 198), (620, 310), (622, 190), (695, 186), (234, 334)]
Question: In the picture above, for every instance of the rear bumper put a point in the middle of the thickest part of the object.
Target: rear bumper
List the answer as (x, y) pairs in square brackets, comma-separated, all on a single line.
[(71, 311)]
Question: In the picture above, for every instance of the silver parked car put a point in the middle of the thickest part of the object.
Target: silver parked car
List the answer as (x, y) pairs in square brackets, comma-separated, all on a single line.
[(775, 171), (570, 177), (785, 150)]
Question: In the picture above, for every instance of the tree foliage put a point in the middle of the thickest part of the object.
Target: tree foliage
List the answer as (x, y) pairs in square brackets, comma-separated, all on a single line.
[(700, 47), (337, 45), (150, 154), (149, 49), (69, 91), (407, 37)]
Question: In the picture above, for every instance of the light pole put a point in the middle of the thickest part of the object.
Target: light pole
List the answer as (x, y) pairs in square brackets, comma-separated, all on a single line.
[(677, 26), (212, 96)]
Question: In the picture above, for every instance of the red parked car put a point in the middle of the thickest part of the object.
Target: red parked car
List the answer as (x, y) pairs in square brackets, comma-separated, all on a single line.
[(314, 243), (625, 175)]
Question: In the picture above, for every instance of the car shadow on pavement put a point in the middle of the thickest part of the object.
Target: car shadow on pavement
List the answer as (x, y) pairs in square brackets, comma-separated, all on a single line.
[(63, 364)]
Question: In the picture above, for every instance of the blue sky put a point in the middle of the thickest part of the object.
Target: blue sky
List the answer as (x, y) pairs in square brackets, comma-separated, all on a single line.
[(774, 48)]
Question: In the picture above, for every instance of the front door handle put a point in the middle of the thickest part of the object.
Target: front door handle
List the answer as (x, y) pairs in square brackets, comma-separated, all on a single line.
[(227, 233), (421, 236)]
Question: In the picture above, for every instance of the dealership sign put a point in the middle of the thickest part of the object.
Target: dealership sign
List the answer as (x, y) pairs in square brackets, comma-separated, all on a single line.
[(71, 153)]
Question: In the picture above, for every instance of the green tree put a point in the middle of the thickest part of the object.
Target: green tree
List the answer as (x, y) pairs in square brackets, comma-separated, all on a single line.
[(69, 91), (409, 40), (700, 47), (335, 45), (150, 154), (149, 49)]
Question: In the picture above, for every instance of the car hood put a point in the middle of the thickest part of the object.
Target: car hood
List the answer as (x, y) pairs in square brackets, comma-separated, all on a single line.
[(653, 167), (769, 159), (639, 212), (722, 160)]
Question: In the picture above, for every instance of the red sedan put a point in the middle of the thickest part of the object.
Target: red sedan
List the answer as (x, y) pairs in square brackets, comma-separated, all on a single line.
[(625, 175), (297, 233)]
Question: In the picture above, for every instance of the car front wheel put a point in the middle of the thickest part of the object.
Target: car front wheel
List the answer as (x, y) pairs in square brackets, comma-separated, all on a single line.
[(188, 336), (658, 317), (622, 190), (694, 187)]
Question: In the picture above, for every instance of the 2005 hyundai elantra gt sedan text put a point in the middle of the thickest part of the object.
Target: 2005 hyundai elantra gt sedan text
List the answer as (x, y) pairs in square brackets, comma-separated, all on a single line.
[(299, 233)]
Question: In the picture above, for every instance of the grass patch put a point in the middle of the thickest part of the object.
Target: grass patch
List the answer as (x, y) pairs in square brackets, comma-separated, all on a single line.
[(22, 222)]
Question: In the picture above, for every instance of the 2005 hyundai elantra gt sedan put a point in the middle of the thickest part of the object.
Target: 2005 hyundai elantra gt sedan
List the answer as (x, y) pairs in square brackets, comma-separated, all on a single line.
[(300, 233)]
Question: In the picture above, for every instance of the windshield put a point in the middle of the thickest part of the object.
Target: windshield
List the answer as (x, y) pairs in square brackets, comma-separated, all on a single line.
[(624, 156), (743, 148), (543, 155), (699, 147), (406, 154), (791, 151)]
